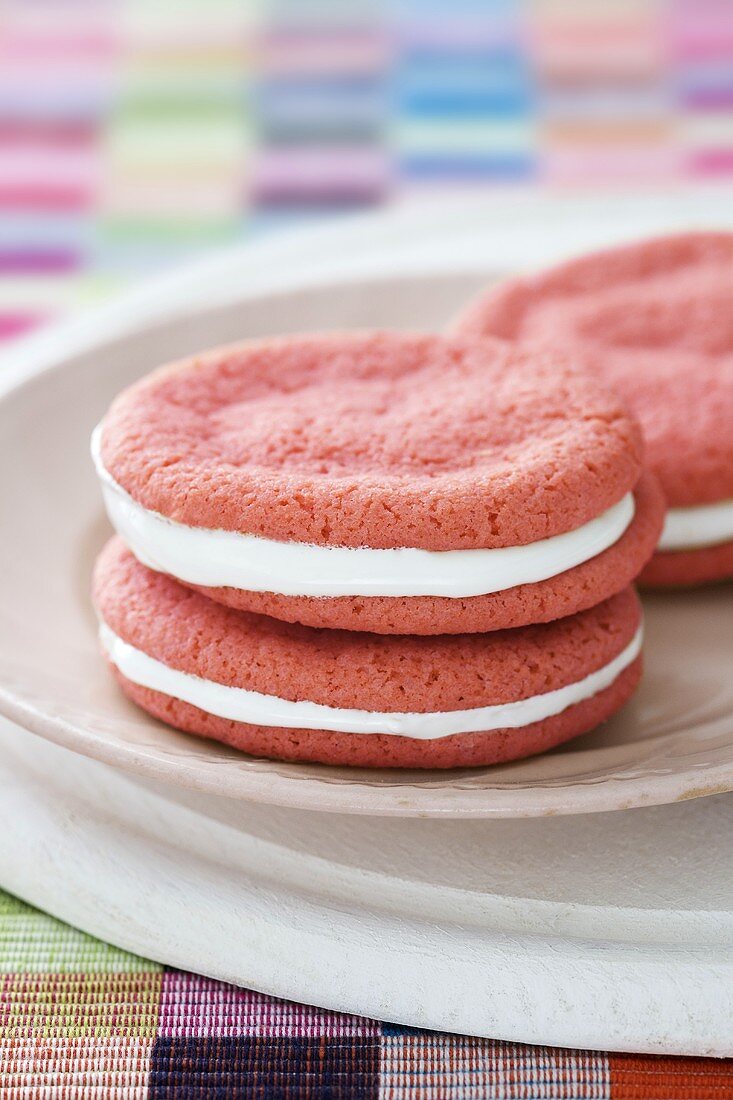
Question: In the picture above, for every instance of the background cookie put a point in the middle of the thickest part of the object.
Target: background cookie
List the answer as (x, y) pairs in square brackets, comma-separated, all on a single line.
[(415, 684), (654, 320), (380, 470)]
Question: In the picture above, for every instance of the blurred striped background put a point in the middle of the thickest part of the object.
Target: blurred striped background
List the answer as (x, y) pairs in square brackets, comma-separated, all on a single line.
[(135, 132)]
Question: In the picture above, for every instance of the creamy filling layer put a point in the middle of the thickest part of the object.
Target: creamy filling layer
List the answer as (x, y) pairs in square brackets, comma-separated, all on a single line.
[(240, 705), (228, 559), (698, 526)]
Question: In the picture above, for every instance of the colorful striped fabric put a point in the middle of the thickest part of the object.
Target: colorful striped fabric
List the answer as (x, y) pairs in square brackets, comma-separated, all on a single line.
[(80, 1019)]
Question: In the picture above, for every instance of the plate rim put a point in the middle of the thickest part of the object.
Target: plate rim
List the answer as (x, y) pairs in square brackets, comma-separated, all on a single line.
[(341, 797)]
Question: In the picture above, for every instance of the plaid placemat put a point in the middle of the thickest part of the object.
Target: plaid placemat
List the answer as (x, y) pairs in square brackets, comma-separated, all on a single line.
[(80, 1019)]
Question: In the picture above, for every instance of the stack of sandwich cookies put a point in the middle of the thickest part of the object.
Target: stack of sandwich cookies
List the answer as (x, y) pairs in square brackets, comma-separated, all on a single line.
[(284, 503), (654, 321)]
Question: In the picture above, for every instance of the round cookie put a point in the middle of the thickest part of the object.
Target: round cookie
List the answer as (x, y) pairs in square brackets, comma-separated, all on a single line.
[(384, 481), (654, 321), (455, 700)]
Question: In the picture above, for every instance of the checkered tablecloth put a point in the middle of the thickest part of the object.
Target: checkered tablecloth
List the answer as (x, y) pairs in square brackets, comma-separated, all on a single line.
[(80, 1019)]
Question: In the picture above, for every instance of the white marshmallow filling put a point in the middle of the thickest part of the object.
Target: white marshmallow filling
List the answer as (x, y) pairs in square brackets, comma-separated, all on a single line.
[(697, 527), (215, 558), (252, 707)]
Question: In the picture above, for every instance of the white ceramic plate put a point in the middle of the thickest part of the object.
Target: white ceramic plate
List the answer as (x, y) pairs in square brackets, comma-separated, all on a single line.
[(674, 741), (611, 931)]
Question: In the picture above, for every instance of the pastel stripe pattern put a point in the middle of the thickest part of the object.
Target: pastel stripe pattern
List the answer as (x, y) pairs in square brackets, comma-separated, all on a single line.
[(133, 135), (81, 1020)]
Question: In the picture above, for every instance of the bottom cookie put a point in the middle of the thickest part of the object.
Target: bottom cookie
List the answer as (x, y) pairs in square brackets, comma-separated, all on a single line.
[(689, 568), (385, 750), (295, 693)]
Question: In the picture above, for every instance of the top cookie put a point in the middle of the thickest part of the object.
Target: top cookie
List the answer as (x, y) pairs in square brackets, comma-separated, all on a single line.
[(655, 321), (378, 440)]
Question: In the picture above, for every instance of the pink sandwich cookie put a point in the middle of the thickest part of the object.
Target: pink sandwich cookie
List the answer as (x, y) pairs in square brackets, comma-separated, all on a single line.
[(288, 691), (396, 483), (655, 321)]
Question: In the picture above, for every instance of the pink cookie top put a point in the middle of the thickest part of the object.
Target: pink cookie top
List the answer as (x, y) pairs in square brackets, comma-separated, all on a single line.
[(655, 320), (339, 668), (374, 439)]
